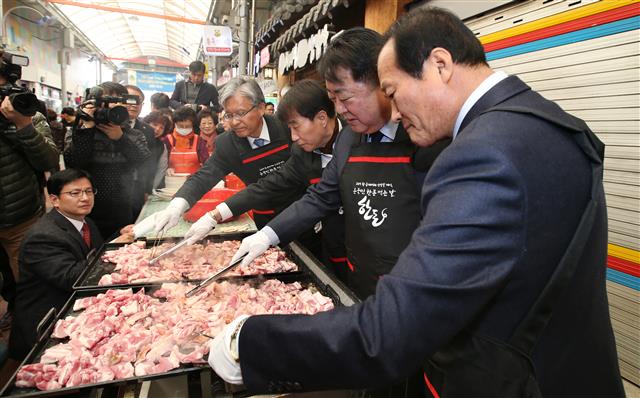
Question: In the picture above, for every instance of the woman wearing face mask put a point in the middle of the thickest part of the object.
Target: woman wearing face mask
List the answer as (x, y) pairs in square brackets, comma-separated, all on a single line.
[(207, 122), (183, 142)]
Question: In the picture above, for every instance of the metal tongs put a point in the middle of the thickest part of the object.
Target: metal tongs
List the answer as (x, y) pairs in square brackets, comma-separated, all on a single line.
[(215, 276), (169, 251)]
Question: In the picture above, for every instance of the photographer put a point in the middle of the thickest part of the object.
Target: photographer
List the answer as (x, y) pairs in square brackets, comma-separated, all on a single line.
[(195, 92), (25, 153), (103, 144)]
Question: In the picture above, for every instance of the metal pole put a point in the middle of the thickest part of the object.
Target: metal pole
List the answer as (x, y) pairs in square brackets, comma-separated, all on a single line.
[(63, 76), (252, 50), (244, 39)]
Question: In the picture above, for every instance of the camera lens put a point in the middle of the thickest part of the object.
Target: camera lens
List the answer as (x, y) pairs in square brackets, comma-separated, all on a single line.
[(118, 115), (25, 103)]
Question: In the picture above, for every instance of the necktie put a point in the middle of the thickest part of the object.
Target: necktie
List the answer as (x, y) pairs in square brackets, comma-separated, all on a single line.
[(259, 142), (86, 234), (375, 137)]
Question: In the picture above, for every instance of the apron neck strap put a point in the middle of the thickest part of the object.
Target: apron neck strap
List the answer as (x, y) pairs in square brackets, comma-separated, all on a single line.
[(530, 329)]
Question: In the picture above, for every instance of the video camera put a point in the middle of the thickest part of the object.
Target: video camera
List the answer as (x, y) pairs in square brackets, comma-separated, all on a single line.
[(103, 114), (22, 100)]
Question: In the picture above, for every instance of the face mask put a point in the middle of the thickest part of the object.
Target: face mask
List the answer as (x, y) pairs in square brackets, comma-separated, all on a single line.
[(183, 131)]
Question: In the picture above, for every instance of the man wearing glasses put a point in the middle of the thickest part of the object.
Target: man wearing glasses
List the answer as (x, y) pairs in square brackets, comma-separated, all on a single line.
[(52, 256), (257, 145)]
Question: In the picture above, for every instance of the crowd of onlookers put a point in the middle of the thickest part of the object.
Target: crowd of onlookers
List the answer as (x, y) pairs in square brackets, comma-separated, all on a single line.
[(122, 164)]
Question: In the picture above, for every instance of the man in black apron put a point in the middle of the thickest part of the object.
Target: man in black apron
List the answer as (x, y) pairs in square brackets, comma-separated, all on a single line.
[(257, 146), (311, 117), (488, 294)]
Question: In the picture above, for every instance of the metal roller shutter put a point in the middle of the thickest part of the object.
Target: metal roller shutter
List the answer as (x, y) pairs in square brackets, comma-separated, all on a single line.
[(585, 55)]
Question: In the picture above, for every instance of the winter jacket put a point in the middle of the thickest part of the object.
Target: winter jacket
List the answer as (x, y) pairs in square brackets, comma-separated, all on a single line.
[(24, 156)]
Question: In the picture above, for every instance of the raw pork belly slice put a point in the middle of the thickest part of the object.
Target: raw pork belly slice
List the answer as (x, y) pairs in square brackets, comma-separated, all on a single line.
[(194, 262), (121, 334)]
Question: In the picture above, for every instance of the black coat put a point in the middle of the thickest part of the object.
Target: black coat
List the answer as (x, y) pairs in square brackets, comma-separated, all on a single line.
[(112, 164), (207, 95), (500, 205), (52, 257)]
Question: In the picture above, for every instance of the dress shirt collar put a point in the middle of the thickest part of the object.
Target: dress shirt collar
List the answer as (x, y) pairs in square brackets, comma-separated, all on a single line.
[(264, 134), (481, 90), (77, 224), (389, 131)]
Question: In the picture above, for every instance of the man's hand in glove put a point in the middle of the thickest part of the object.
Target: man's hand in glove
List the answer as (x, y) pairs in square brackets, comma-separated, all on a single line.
[(254, 245), (200, 228), (169, 217)]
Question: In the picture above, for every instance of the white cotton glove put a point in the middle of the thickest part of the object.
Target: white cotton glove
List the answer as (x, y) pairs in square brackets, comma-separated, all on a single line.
[(144, 227), (254, 245), (220, 358), (200, 228), (169, 217)]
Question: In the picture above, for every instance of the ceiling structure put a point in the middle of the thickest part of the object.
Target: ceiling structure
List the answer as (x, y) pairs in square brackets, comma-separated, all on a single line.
[(133, 29)]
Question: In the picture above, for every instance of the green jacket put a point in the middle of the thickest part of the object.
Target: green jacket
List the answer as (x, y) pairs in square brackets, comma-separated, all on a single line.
[(24, 156)]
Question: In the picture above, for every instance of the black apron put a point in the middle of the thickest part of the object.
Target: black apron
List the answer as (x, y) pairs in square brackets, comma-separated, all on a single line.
[(381, 203), (478, 366), (259, 162)]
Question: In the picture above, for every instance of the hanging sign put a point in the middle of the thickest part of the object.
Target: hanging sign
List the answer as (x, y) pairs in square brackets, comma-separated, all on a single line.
[(217, 40), (264, 57)]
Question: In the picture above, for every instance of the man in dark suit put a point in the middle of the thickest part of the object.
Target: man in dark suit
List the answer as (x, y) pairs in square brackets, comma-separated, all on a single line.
[(519, 186), (53, 255), (314, 125), (256, 146), (195, 91)]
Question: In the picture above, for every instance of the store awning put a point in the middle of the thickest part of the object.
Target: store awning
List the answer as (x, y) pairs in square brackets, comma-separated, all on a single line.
[(125, 29)]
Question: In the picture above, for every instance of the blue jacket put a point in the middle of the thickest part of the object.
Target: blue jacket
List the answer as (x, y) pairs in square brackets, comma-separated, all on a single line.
[(500, 206)]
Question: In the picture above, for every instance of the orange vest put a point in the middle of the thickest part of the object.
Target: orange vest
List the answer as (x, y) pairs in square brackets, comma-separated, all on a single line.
[(184, 161)]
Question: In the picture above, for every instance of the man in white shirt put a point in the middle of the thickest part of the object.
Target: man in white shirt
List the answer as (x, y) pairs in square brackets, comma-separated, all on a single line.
[(53, 255)]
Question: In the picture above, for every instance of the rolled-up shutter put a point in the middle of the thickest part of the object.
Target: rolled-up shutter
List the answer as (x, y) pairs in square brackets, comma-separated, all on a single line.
[(585, 56)]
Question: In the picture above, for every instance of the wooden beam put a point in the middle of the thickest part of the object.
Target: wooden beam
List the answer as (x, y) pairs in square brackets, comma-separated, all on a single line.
[(380, 14), (128, 11)]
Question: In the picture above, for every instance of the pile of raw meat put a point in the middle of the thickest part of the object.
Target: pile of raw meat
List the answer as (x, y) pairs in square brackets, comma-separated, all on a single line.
[(198, 261), (121, 334)]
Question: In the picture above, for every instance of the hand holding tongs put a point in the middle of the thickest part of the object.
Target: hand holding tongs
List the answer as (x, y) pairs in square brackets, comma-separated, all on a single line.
[(169, 251), (215, 276)]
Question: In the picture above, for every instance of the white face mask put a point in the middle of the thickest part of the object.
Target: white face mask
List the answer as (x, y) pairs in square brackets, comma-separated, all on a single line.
[(183, 131)]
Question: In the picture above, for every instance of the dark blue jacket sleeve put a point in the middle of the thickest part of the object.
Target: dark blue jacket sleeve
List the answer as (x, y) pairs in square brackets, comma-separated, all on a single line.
[(459, 258), (320, 200)]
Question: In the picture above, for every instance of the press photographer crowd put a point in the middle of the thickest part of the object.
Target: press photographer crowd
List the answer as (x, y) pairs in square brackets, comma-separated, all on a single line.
[(402, 221)]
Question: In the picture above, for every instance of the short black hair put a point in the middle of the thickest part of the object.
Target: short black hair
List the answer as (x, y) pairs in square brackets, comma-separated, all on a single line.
[(307, 98), (51, 115), (113, 88), (421, 30), (356, 50), (135, 88), (68, 111), (202, 114), (196, 66), (269, 103), (184, 113), (61, 178), (160, 100), (159, 117)]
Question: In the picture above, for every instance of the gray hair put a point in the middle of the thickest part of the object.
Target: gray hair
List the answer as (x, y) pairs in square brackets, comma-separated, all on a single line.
[(244, 86)]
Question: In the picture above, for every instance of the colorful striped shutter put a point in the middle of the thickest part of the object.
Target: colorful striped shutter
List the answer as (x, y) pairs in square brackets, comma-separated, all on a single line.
[(585, 56)]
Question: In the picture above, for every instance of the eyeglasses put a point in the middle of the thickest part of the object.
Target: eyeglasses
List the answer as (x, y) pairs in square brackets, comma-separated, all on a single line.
[(76, 193), (237, 115)]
